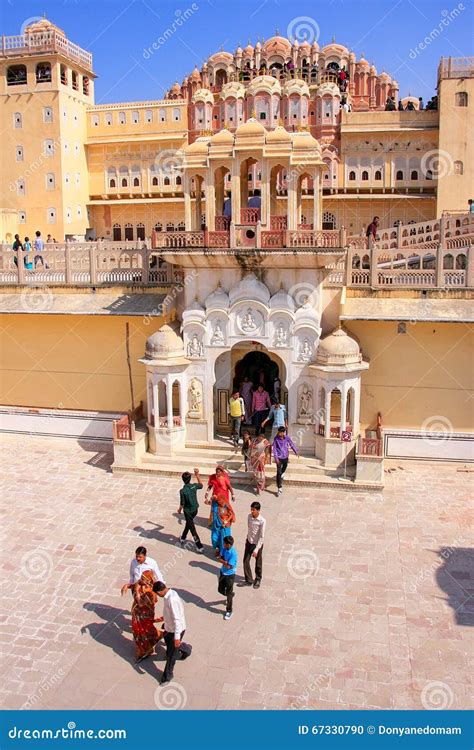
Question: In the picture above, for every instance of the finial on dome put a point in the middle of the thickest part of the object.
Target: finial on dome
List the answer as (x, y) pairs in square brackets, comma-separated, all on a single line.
[(333, 40), (277, 32)]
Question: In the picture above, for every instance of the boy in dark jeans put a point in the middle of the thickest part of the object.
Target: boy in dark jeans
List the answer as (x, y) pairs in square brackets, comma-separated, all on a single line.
[(227, 574), (188, 503)]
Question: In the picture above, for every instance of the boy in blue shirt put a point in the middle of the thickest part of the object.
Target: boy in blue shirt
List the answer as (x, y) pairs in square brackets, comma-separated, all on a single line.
[(227, 574)]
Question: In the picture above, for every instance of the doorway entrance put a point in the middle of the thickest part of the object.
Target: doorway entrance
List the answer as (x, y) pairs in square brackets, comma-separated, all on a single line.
[(258, 368)]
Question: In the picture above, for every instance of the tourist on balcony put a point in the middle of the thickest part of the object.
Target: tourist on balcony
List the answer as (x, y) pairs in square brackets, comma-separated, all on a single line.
[(39, 247), (228, 558), (174, 630), (236, 411), (400, 106), (410, 106), (420, 103), (371, 230), (390, 105), (145, 634), (27, 249), (17, 248), (278, 415), (255, 201), (188, 504), (259, 456), (227, 210), (281, 453), (261, 405), (470, 203), (246, 389)]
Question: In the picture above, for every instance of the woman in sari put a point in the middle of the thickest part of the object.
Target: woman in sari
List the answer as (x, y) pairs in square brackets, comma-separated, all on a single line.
[(145, 634), (259, 455), (218, 483), (222, 519)]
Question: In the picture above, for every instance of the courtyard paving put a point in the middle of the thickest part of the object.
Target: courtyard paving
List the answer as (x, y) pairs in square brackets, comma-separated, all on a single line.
[(367, 599)]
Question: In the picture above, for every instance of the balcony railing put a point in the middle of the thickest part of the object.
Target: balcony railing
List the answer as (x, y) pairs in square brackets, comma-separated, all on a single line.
[(249, 215), (42, 42), (370, 446)]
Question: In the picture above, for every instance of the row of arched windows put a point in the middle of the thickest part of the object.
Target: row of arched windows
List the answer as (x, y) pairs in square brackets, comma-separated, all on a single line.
[(126, 178), (129, 232), (17, 75)]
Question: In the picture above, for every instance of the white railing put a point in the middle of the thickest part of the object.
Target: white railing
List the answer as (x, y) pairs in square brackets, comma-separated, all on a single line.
[(45, 41)]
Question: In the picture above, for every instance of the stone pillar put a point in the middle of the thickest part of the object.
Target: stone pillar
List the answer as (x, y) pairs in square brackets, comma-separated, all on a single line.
[(292, 206), (210, 192), (235, 198), (342, 426), (187, 204), (327, 413), (156, 404), (439, 266), (169, 400), (266, 194), (317, 204), (356, 408)]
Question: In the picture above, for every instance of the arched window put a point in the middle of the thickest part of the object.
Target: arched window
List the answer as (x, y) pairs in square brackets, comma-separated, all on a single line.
[(414, 175), (176, 114), (158, 227), (122, 118), (170, 227), (166, 181), (63, 73), (378, 175), (16, 75), (352, 175), (50, 181), (399, 175), (124, 182), (43, 73), (448, 262), (75, 80), (136, 182), (458, 167), (461, 99), (117, 233), (129, 231), (85, 85), (429, 174), (112, 183), (461, 262), (365, 175), (154, 181), (162, 115), (329, 220), (178, 180), (17, 120), (135, 118), (141, 232)]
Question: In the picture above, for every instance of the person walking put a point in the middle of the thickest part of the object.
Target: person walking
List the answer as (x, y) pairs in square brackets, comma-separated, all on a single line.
[(278, 414), (225, 587), (260, 407), (246, 443), (145, 634), (188, 504), (259, 456), (139, 564), (281, 452), (174, 629), (254, 545), (223, 517), (236, 411)]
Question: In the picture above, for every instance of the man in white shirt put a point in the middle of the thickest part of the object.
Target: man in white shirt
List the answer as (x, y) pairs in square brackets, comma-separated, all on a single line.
[(139, 564), (254, 545), (175, 626)]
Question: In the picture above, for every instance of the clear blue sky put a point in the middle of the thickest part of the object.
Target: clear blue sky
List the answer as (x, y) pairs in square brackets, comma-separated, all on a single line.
[(118, 31)]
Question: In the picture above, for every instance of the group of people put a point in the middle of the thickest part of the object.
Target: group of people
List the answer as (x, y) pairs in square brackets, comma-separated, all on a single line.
[(26, 247), (391, 105), (147, 584)]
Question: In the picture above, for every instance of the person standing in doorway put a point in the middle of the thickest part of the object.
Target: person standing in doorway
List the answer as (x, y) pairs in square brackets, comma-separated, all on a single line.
[(228, 559), (236, 410), (254, 545), (281, 452), (175, 627), (260, 407), (188, 503), (278, 414)]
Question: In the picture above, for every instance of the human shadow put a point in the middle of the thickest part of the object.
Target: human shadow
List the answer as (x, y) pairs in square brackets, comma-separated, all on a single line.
[(455, 577), (111, 633), (198, 601), (212, 568)]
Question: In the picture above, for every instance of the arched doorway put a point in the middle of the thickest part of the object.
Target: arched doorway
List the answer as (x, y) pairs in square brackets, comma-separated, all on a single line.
[(245, 360)]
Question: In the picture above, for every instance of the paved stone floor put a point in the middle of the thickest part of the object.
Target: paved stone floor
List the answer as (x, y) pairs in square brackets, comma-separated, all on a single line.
[(367, 599)]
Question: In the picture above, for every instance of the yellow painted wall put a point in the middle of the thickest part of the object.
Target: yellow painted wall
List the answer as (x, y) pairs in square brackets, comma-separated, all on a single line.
[(456, 143), (424, 373), (72, 361)]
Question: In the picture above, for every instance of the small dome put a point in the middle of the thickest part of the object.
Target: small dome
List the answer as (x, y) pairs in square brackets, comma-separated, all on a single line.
[(200, 146), (37, 27), (338, 349), (363, 63), (164, 343), (238, 51), (372, 70), (248, 49), (217, 300), (282, 301), (176, 88), (305, 45), (315, 46), (233, 89), (223, 136), (279, 135), (203, 95), (249, 288), (328, 88), (296, 86), (195, 75), (250, 129), (307, 315), (268, 84), (305, 142), (277, 45)]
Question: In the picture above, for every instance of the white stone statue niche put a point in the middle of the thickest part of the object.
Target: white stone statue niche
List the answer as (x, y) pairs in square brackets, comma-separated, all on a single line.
[(195, 348), (195, 399), (305, 407), (218, 333)]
